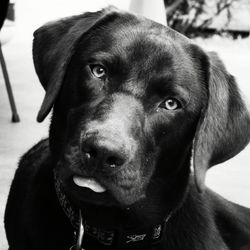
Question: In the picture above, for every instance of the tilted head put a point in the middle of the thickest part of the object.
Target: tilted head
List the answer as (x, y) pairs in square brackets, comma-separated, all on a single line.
[(132, 101)]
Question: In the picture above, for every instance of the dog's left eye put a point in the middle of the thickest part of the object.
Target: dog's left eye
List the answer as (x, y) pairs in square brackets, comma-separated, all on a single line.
[(98, 71), (171, 104)]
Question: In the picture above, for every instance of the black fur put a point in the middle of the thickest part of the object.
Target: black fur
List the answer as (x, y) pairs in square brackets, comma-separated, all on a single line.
[(117, 130)]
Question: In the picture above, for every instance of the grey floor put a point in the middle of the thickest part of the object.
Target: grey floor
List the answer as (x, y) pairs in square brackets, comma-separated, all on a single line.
[(16, 138), (231, 179)]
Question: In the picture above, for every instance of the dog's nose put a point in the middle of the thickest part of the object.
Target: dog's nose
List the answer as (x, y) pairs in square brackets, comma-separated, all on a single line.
[(103, 152)]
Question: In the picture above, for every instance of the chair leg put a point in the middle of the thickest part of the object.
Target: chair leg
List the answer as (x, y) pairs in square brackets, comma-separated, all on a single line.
[(15, 116)]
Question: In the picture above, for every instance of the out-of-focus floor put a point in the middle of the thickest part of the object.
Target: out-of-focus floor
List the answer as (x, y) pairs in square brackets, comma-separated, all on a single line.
[(231, 179), (16, 138)]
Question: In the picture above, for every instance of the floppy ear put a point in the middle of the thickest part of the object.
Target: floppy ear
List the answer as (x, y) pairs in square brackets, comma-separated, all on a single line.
[(224, 126), (53, 47)]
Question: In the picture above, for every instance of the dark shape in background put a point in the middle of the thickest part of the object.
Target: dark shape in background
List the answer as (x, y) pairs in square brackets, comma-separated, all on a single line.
[(3, 11), (7, 12)]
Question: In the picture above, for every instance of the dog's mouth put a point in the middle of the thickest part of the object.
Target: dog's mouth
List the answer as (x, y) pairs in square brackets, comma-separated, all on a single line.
[(91, 190), (121, 188), (88, 190), (89, 183)]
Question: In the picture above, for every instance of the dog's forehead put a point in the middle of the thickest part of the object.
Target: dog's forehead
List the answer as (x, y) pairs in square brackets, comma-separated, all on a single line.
[(136, 41), (140, 38), (154, 53), (125, 32), (145, 48)]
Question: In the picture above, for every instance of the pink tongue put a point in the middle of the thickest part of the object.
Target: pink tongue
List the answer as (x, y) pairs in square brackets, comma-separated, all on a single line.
[(89, 183)]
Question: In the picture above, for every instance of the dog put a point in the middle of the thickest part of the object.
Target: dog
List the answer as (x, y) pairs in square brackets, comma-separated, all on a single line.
[(140, 113)]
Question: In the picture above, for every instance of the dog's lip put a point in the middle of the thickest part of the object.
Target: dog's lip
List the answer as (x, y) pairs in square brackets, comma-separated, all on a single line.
[(90, 183)]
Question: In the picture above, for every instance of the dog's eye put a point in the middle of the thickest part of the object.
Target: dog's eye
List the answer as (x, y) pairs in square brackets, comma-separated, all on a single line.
[(171, 104), (98, 71)]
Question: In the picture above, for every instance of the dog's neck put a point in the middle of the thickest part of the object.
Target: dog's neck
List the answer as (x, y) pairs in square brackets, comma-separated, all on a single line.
[(128, 234), (121, 230)]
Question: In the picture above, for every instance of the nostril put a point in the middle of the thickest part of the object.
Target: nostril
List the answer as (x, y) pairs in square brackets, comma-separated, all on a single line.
[(114, 161), (87, 155), (89, 152)]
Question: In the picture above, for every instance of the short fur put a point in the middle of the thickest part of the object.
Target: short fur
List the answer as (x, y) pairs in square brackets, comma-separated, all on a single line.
[(117, 130)]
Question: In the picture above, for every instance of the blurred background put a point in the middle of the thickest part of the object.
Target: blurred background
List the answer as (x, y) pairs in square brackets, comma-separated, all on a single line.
[(218, 25)]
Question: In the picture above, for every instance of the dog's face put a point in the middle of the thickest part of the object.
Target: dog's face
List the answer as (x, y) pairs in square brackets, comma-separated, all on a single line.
[(131, 104), (135, 99)]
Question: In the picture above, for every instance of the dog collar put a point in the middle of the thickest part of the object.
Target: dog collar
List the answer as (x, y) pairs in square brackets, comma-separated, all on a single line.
[(109, 238)]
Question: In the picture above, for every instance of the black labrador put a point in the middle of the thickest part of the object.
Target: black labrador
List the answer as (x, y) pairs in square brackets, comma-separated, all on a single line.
[(139, 115)]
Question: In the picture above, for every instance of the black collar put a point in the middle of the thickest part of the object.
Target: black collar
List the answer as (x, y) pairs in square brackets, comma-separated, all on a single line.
[(109, 238)]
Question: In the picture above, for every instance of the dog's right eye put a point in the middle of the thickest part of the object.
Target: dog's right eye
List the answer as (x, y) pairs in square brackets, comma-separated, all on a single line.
[(171, 104), (98, 71)]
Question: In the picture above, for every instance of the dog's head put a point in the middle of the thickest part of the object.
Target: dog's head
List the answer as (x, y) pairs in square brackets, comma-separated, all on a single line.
[(133, 100)]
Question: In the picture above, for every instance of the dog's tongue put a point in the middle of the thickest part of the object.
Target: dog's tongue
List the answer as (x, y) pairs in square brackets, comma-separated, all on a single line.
[(89, 183)]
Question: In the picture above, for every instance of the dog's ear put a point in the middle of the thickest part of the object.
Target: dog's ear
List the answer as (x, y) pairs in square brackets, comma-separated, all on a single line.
[(224, 126), (53, 47)]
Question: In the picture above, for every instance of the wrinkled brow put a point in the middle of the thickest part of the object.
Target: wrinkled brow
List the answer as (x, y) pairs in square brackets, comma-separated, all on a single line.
[(166, 85), (101, 57)]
